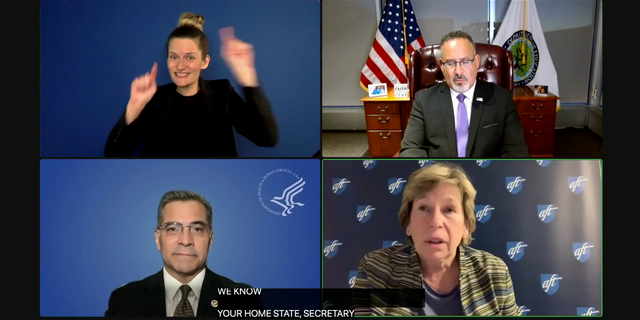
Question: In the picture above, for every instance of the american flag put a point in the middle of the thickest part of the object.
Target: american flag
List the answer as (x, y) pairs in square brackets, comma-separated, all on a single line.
[(389, 56)]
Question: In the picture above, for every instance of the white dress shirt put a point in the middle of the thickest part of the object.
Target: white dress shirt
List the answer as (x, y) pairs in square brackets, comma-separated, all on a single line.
[(468, 101), (173, 295)]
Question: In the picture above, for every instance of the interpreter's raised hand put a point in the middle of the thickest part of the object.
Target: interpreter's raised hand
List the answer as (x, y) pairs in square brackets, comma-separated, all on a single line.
[(142, 90), (239, 57)]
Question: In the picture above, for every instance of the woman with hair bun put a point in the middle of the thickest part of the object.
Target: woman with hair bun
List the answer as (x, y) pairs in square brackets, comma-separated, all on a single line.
[(193, 117)]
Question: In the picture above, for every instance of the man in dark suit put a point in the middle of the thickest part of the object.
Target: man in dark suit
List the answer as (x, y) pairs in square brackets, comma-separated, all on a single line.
[(463, 117), (185, 287)]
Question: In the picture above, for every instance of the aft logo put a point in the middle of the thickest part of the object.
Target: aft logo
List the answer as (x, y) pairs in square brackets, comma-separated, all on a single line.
[(331, 248), (339, 185), (546, 212), (396, 185), (387, 244), (515, 250), (543, 163), (363, 213), (483, 213), (352, 278), (587, 312), (425, 163), (582, 251), (514, 184), (523, 311), (483, 163), (550, 283), (576, 184), (369, 164)]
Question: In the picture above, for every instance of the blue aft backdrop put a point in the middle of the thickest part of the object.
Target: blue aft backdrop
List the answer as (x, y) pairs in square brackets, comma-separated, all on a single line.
[(542, 217)]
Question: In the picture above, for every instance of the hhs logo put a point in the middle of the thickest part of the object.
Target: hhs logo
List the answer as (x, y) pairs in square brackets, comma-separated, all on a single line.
[(339, 185), (588, 312), (369, 164), (514, 184), (543, 163), (515, 250), (352, 278), (331, 248), (546, 212), (550, 283), (483, 213), (364, 213), (576, 184), (522, 311), (582, 251), (287, 189), (387, 244), (396, 185), (483, 163), (425, 163)]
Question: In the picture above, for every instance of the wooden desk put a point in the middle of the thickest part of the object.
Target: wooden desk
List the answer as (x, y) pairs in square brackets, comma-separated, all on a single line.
[(386, 120), (538, 117)]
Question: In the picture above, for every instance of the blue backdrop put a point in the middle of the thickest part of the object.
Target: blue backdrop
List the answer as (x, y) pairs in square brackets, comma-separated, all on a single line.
[(547, 227), (92, 50), (97, 219)]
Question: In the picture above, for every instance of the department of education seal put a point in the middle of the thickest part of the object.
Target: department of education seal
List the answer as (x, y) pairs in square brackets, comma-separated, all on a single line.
[(282, 185), (523, 72)]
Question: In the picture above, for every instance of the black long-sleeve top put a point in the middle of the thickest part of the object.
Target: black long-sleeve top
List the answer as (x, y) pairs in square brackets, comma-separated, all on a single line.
[(199, 126)]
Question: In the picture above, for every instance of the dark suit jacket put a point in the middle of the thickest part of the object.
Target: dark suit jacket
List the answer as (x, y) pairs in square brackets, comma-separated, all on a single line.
[(146, 297), (204, 129), (494, 129)]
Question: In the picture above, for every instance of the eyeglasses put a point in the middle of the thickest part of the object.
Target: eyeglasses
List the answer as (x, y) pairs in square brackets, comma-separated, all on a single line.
[(196, 229), (450, 65)]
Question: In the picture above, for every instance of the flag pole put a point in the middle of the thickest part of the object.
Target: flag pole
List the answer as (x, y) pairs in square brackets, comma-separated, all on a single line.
[(404, 34), (524, 24)]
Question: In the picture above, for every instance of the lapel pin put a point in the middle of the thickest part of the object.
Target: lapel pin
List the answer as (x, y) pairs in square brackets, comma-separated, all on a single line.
[(479, 99), (214, 303)]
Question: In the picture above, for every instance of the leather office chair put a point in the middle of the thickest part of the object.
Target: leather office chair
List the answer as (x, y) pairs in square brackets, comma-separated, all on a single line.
[(496, 66)]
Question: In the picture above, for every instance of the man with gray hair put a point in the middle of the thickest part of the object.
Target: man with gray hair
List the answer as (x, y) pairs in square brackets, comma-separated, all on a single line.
[(464, 117), (185, 287)]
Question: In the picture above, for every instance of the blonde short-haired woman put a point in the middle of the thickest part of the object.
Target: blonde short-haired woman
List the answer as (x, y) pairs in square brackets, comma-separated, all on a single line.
[(437, 214)]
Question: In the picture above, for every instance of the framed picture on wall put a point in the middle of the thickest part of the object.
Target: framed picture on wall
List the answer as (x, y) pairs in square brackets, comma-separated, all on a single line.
[(378, 90)]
